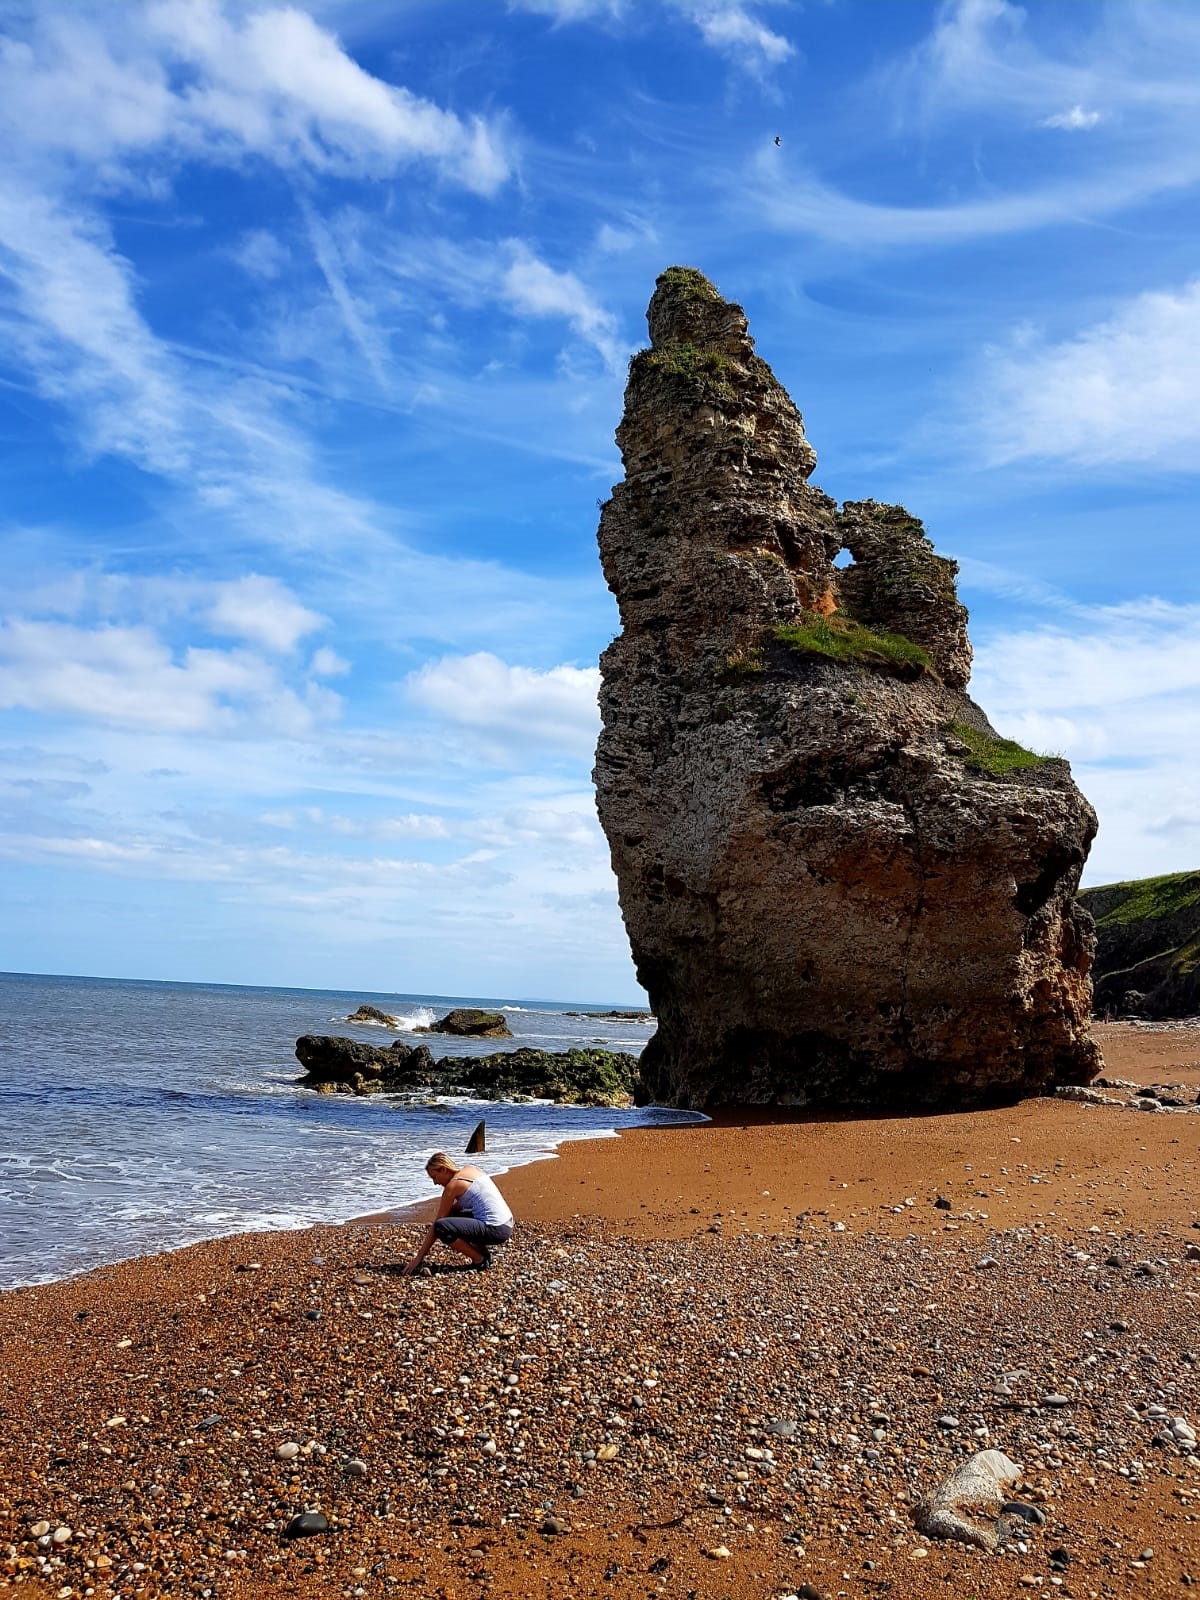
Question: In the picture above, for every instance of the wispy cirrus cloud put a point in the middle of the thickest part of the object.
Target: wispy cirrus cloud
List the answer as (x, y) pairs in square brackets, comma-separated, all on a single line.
[(734, 28), (1072, 121), (1129, 76)]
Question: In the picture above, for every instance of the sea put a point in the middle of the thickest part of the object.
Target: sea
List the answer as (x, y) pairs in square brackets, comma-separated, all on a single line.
[(139, 1116)]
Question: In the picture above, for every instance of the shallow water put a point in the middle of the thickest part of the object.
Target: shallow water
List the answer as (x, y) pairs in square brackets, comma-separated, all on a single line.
[(137, 1117)]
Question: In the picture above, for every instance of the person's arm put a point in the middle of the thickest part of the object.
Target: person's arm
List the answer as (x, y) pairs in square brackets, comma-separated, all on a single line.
[(450, 1197)]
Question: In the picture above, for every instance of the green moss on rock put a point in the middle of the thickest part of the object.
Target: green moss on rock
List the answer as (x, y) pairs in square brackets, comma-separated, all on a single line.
[(989, 753), (839, 638), (691, 280)]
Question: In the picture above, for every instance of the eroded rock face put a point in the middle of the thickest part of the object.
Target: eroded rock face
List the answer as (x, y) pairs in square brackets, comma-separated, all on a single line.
[(841, 887)]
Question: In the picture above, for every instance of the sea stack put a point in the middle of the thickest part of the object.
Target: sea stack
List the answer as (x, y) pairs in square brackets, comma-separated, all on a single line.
[(841, 886)]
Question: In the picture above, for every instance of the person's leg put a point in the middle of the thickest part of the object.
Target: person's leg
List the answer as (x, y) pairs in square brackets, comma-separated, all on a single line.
[(463, 1235)]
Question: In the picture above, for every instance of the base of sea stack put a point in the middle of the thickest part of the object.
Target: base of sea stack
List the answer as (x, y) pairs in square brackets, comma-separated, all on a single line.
[(758, 1067)]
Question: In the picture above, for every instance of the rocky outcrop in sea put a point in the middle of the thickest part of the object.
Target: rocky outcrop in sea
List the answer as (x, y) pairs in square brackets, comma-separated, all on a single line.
[(333, 1064), (841, 884)]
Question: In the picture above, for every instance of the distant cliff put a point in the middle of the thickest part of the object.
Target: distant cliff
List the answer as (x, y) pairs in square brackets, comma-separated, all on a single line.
[(1148, 945), (841, 885)]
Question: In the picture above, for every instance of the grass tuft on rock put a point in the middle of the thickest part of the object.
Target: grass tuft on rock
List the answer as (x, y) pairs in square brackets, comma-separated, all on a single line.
[(690, 279), (989, 753), (703, 368), (840, 638), (740, 667)]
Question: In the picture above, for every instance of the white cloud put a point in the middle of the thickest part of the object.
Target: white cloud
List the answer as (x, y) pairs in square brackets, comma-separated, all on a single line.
[(1074, 119), (984, 72), (196, 79), (262, 610), (986, 54), (261, 253), (731, 29), (1126, 391), (535, 289), (728, 26), (411, 825), (510, 710), (509, 273), (1116, 692), (796, 202), (372, 347), (127, 677), (326, 663)]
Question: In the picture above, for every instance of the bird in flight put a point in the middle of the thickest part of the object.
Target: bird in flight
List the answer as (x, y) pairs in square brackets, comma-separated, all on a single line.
[(778, 140)]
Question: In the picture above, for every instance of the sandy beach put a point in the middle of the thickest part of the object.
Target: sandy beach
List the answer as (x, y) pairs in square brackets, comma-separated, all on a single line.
[(720, 1360)]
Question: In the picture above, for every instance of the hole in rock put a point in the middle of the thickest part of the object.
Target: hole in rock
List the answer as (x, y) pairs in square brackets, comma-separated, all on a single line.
[(843, 559)]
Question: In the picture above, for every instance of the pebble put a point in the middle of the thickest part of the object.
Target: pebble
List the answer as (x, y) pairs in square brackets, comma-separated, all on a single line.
[(288, 1451), (356, 1468), (718, 1553), (306, 1524), (553, 1525), (61, 1536)]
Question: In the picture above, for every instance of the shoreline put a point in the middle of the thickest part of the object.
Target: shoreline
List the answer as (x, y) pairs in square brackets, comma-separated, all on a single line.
[(724, 1357)]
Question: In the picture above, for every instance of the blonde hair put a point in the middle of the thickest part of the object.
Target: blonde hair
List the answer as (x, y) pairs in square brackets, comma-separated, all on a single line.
[(441, 1160)]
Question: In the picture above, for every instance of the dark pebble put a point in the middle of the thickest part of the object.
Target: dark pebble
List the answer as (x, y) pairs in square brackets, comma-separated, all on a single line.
[(306, 1524), (553, 1525), (209, 1422), (807, 1592), (1021, 1508), (1059, 1557)]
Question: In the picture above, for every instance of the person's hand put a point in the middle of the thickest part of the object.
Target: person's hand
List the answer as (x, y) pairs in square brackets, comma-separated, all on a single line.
[(409, 1267)]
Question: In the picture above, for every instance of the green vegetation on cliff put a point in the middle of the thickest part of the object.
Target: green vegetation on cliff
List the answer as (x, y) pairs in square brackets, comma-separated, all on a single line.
[(690, 279), (702, 367), (990, 753), (1148, 943), (840, 638), (1149, 899)]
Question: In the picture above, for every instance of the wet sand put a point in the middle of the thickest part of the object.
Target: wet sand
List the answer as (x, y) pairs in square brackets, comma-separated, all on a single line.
[(721, 1360)]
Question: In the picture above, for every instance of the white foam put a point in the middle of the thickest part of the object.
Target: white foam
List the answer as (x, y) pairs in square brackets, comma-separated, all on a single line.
[(397, 1022)]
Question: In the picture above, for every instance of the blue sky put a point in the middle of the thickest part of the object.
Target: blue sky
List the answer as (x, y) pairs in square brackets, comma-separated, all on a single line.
[(313, 327)]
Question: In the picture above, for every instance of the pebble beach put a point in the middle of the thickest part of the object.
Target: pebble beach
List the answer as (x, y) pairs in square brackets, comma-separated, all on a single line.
[(717, 1360)]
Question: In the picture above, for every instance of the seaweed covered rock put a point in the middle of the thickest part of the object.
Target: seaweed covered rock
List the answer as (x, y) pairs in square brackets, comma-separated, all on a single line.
[(570, 1077), (1148, 945), (841, 886)]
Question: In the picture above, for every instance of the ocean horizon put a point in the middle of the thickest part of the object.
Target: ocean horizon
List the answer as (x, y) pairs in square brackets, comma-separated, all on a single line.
[(140, 1115)]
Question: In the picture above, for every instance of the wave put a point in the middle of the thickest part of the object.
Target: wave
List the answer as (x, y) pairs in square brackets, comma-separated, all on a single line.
[(397, 1022)]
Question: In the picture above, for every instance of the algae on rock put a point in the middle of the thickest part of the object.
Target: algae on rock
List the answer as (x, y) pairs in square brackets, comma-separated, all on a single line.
[(840, 885)]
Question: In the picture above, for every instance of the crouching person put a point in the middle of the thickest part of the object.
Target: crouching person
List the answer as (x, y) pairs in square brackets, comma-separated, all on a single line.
[(472, 1217)]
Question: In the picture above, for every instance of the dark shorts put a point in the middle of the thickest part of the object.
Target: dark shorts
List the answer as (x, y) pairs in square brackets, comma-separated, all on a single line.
[(480, 1234)]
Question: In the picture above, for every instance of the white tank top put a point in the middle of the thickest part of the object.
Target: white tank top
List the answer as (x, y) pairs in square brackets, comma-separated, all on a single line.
[(485, 1203)]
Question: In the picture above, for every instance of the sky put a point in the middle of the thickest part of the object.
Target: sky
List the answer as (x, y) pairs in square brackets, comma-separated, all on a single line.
[(314, 321)]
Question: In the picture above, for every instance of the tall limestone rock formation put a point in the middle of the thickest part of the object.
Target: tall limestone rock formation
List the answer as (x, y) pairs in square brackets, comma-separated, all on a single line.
[(840, 885)]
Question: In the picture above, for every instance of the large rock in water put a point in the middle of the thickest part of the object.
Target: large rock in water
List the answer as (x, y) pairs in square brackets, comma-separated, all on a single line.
[(840, 885), (570, 1077), (471, 1023)]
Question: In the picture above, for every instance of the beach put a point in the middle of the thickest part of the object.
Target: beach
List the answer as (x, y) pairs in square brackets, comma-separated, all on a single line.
[(717, 1360)]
